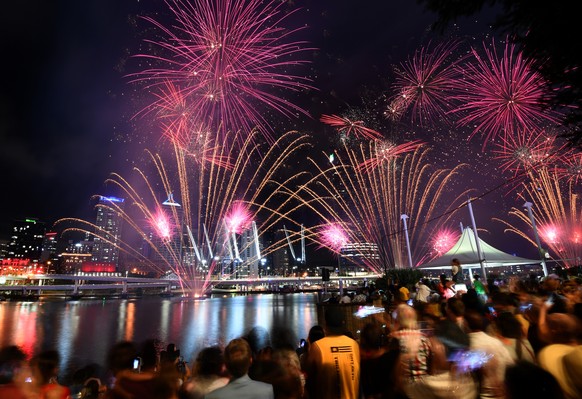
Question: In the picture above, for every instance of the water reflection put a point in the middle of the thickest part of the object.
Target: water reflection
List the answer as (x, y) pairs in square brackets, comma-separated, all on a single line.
[(83, 331)]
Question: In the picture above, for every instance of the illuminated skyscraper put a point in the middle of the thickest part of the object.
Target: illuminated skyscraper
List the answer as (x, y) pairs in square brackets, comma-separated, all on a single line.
[(26, 240), (109, 223)]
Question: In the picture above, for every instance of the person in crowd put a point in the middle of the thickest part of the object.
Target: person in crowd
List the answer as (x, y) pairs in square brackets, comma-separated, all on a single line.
[(456, 271), (511, 335), (45, 370), (361, 296), (333, 363), (346, 298), (445, 287), (208, 374), (238, 359), (525, 380), (379, 364), (492, 373), (403, 294), (572, 366), (415, 348), (550, 286), (129, 382), (560, 332), (315, 333), (288, 379), (422, 291), (15, 374), (453, 331), (480, 288)]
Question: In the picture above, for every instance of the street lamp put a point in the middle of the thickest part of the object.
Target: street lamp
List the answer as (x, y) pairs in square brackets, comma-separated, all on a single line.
[(404, 217), (528, 205)]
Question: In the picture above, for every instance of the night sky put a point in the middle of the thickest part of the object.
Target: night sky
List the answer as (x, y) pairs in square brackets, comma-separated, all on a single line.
[(67, 104)]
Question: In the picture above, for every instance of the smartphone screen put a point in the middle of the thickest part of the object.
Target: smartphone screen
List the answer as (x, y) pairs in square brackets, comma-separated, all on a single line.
[(136, 363)]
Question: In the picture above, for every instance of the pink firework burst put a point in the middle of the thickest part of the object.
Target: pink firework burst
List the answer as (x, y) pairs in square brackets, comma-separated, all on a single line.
[(501, 95), (444, 240), (424, 83), (524, 150), (551, 234), (162, 224), (571, 168), (386, 151), (349, 127), (238, 218), (333, 236), (226, 57)]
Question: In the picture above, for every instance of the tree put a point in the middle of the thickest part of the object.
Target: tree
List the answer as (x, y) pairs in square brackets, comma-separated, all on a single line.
[(548, 35)]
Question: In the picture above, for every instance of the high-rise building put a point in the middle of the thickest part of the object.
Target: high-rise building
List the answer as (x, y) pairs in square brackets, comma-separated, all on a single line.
[(49, 247), (108, 231), (26, 240)]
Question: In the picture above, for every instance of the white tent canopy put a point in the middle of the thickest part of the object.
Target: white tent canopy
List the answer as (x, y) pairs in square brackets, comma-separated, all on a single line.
[(465, 250)]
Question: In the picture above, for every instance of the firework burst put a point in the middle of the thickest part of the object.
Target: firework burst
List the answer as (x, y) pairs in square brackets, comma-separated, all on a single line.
[(349, 127), (370, 203), (500, 95), (214, 215), (525, 150), (424, 84), (570, 169), (334, 237), (226, 57), (443, 240), (387, 151)]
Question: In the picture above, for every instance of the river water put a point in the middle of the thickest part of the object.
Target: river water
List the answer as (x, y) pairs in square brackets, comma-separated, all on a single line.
[(83, 331)]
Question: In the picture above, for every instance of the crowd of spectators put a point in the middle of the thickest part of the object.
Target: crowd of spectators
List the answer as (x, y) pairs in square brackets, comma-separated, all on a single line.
[(450, 339)]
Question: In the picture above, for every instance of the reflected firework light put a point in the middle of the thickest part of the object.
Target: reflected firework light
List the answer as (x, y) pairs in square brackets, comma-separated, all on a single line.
[(557, 213), (225, 58), (500, 94), (369, 203)]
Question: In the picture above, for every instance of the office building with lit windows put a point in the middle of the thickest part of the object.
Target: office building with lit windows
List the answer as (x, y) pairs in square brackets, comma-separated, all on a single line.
[(108, 224)]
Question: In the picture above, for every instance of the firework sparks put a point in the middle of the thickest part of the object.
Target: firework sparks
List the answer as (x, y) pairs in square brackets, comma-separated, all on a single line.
[(161, 224), (525, 150), (370, 202), (350, 127), (225, 58), (571, 168), (500, 95), (424, 84), (334, 237), (200, 228), (387, 151), (443, 240), (557, 213), (238, 218)]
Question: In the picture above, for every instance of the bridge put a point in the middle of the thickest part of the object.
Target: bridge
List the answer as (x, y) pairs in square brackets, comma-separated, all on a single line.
[(40, 283)]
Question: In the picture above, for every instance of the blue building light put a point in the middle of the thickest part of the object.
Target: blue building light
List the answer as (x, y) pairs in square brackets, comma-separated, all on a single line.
[(111, 199)]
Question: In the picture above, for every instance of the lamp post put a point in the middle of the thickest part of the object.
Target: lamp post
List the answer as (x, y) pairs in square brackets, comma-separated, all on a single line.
[(404, 217), (528, 205)]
